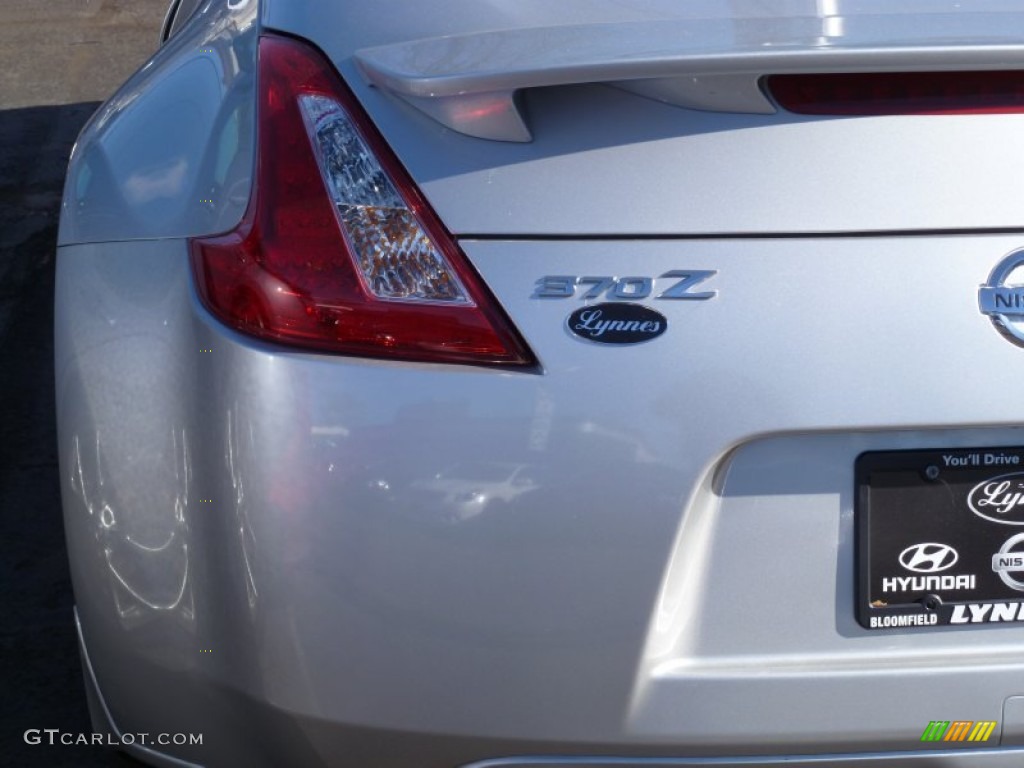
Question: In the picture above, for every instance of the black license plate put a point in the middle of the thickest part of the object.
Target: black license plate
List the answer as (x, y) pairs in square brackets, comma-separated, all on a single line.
[(940, 537)]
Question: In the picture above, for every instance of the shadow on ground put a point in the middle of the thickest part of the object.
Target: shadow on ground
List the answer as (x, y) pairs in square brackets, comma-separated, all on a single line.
[(39, 668)]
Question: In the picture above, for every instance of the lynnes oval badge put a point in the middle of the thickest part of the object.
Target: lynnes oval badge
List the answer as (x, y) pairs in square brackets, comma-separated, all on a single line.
[(617, 323), (999, 499)]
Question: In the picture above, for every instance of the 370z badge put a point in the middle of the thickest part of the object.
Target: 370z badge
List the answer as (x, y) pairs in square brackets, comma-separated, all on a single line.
[(617, 323), (619, 319)]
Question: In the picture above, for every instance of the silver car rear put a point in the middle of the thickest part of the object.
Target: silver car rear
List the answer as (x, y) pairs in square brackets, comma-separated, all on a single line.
[(648, 552)]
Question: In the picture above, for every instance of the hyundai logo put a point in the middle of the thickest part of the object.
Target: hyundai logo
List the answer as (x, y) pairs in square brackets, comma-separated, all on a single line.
[(928, 558)]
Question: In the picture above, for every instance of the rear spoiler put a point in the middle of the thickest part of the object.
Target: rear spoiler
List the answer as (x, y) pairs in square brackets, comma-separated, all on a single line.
[(469, 83)]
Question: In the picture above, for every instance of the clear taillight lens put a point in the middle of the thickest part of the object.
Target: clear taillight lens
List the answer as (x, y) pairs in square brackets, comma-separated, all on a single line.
[(338, 251)]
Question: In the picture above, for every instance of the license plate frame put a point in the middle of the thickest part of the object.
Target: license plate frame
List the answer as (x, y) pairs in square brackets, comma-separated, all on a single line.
[(939, 538)]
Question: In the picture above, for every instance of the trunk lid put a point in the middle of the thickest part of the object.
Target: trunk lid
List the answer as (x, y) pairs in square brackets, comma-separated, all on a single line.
[(604, 161)]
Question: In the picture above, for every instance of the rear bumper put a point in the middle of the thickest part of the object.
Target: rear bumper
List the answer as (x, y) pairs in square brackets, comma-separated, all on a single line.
[(981, 758), (264, 547), (316, 743)]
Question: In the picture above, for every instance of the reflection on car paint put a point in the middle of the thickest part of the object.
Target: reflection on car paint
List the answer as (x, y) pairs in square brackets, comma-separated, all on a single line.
[(145, 575)]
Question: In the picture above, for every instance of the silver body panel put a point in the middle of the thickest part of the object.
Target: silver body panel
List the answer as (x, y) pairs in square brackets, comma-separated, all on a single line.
[(275, 547), (633, 166), (170, 154), (607, 607)]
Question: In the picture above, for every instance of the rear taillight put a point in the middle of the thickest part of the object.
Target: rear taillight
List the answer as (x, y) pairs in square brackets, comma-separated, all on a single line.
[(899, 93), (338, 251)]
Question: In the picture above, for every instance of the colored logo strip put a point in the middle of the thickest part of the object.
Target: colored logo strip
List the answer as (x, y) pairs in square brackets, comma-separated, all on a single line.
[(959, 730)]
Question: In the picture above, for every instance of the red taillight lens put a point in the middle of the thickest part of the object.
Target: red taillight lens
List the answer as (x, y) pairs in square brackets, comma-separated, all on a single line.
[(338, 251), (899, 93)]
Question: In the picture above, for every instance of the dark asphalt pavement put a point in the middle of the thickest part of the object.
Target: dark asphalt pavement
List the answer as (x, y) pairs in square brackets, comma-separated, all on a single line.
[(39, 668), (57, 60)]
